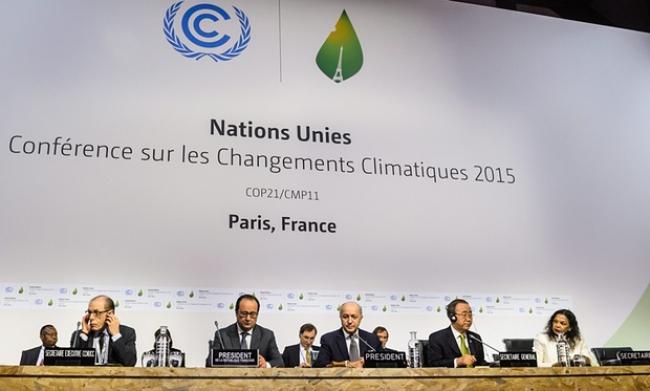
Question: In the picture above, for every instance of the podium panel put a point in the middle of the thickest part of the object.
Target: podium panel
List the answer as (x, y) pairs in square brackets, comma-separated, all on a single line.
[(112, 378)]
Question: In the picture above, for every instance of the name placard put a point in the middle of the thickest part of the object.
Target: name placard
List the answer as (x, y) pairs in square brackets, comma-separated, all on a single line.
[(234, 358), (517, 359), (384, 359), (69, 356), (638, 357)]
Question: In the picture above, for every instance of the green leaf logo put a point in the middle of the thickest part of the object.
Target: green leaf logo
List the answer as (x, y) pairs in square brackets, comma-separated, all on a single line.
[(75, 291), (545, 300), (49, 303), (117, 303), (191, 294), (498, 300), (279, 308), (438, 309), (358, 297), (140, 292), (480, 310), (403, 298), (384, 309), (231, 306), (341, 56), (169, 304), (21, 290), (301, 296)]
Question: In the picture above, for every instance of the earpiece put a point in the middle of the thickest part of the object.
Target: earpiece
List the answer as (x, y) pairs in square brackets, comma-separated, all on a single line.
[(451, 309)]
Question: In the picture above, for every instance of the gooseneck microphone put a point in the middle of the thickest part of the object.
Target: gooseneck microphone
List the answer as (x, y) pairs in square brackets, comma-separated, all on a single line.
[(367, 344), (481, 342), (75, 336), (216, 324)]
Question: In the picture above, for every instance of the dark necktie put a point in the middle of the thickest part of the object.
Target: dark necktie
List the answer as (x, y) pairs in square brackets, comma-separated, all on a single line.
[(242, 344)]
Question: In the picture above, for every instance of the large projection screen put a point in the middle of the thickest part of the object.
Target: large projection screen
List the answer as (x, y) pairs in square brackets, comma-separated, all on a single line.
[(445, 150)]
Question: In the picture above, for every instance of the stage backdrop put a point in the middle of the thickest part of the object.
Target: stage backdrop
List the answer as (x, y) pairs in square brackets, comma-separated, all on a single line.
[(395, 153)]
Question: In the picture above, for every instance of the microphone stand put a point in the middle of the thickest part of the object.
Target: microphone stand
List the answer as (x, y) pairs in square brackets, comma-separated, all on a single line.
[(75, 336)]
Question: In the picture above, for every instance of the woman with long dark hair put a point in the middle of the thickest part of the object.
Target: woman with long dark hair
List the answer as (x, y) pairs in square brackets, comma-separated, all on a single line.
[(562, 325)]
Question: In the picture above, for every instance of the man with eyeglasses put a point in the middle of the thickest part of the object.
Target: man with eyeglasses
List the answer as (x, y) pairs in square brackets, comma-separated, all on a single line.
[(247, 334), (456, 346), (114, 343)]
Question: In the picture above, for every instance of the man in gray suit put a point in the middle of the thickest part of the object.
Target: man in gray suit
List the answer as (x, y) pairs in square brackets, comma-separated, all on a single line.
[(247, 334)]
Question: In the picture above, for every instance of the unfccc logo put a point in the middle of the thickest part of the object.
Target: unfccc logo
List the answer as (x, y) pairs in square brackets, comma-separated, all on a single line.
[(207, 31)]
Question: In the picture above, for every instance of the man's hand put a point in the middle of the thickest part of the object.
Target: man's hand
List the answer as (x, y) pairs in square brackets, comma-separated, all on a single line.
[(85, 324), (304, 365), (356, 364), (113, 324), (262, 362), (465, 360)]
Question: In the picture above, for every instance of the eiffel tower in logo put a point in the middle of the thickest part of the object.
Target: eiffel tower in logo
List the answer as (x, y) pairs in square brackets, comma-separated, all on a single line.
[(338, 75), (342, 37)]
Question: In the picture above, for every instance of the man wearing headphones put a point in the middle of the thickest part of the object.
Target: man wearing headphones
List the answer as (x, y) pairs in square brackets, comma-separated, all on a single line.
[(456, 346), (101, 329)]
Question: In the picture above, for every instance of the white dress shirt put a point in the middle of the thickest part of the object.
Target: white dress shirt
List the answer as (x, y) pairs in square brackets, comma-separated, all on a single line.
[(41, 356), (546, 349)]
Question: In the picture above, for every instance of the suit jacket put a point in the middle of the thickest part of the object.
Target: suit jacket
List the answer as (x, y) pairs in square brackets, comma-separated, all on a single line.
[(262, 339), (30, 356), (291, 355), (120, 352), (443, 349), (334, 348)]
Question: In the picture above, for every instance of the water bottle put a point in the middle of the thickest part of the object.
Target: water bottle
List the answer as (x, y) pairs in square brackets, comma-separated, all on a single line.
[(563, 352), (415, 360), (162, 347)]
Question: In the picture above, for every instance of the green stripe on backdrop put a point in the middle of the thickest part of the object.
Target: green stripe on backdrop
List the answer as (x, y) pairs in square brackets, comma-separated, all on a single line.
[(634, 331)]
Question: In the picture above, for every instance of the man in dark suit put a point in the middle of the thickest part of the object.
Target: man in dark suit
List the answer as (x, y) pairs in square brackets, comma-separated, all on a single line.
[(346, 346), (49, 338), (302, 354), (456, 346), (247, 334), (114, 343), (382, 334)]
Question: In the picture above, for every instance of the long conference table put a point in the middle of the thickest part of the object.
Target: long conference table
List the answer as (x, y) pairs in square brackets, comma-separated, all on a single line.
[(286, 379)]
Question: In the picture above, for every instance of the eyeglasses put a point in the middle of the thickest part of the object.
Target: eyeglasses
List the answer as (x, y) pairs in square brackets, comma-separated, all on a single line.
[(465, 314), (251, 315), (96, 313)]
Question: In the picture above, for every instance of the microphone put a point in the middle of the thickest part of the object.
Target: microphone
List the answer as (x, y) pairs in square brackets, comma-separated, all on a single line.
[(216, 324), (209, 360), (75, 336), (367, 344), (481, 342)]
